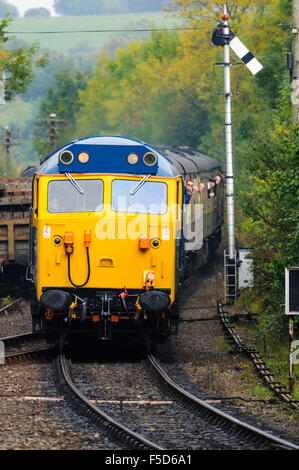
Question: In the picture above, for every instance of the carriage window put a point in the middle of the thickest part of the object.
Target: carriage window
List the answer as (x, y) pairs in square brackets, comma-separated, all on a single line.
[(151, 197), (63, 196)]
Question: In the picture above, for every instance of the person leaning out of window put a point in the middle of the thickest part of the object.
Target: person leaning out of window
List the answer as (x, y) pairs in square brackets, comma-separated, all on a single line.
[(199, 189), (211, 187), (188, 191)]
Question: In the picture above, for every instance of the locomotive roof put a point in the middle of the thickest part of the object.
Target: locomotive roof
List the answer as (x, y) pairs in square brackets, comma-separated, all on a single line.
[(108, 154)]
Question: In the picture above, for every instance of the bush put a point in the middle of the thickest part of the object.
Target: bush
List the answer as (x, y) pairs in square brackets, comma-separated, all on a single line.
[(269, 196)]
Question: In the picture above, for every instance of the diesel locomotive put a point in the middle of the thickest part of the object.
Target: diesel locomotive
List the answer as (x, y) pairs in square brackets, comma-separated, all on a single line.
[(109, 245)]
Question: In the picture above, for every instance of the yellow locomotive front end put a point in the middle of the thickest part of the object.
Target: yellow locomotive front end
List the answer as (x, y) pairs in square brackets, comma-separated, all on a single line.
[(104, 249)]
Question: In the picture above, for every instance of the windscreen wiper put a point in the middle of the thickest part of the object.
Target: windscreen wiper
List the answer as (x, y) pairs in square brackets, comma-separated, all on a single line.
[(138, 186), (74, 183)]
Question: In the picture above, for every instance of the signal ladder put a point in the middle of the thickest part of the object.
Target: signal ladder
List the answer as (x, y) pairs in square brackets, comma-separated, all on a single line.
[(230, 278)]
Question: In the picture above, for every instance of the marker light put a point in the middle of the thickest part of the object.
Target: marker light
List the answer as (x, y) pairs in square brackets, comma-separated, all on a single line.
[(66, 157), (132, 158), (83, 157), (150, 159)]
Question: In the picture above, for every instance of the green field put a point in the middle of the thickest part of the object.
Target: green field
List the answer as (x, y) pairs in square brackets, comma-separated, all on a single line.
[(56, 34)]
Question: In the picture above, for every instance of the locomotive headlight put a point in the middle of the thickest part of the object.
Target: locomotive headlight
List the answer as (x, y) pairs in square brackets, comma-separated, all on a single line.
[(57, 240), (66, 157), (132, 158), (83, 157), (155, 243), (150, 159)]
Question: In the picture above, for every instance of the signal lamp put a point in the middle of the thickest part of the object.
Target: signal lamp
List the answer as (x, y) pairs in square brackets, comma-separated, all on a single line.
[(150, 159), (132, 158), (66, 157), (83, 157)]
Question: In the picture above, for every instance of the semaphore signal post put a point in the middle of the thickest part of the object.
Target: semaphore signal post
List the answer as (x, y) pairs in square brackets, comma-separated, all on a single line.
[(223, 36)]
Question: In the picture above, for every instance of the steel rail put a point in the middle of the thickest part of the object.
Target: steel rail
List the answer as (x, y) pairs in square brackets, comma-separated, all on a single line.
[(274, 385), (114, 427), (22, 337), (6, 307), (16, 356), (234, 422)]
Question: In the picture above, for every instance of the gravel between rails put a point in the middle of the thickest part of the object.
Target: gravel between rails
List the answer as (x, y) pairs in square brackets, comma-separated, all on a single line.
[(199, 360), (16, 320), (129, 393), (33, 416)]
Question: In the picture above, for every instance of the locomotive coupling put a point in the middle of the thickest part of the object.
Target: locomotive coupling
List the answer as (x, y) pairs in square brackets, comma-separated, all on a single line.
[(87, 237), (69, 242)]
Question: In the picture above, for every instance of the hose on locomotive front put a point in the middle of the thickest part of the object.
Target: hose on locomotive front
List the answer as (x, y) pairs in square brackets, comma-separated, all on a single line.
[(69, 269)]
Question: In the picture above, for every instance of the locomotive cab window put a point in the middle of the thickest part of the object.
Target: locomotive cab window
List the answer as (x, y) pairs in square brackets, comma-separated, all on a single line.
[(87, 196), (150, 198)]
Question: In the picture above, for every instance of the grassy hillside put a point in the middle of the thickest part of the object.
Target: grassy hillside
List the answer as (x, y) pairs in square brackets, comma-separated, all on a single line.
[(77, 43)]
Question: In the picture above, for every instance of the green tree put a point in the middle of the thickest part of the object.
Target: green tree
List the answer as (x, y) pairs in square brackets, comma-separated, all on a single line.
[(139, 93), (96, 7), (41, 12), (17, 62), (62, 99), (257, 95), (268, 191), (270, 200), (7, 8), (164, 90)]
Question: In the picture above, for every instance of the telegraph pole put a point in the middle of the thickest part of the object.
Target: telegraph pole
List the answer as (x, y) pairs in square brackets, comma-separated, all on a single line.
[(7, 150), (295, 51), (9, 138), (52, 132)]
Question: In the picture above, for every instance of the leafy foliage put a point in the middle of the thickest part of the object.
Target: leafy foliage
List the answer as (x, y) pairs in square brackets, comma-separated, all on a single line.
[(164, 90), (270, 199), (61, 99), (7, 8), (140, 94), (18, 62), (41, 12), (96, 7)]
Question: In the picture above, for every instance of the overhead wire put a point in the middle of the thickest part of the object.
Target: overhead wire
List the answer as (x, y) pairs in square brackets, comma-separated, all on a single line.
[(143, 30)]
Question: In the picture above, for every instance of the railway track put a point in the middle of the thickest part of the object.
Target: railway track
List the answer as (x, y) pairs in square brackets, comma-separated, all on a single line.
[(30, 353), (113, 427), (211, 422), (4, 310), (277, 387), (21, 338), (180, 421), (44, 353), (239, 428)]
